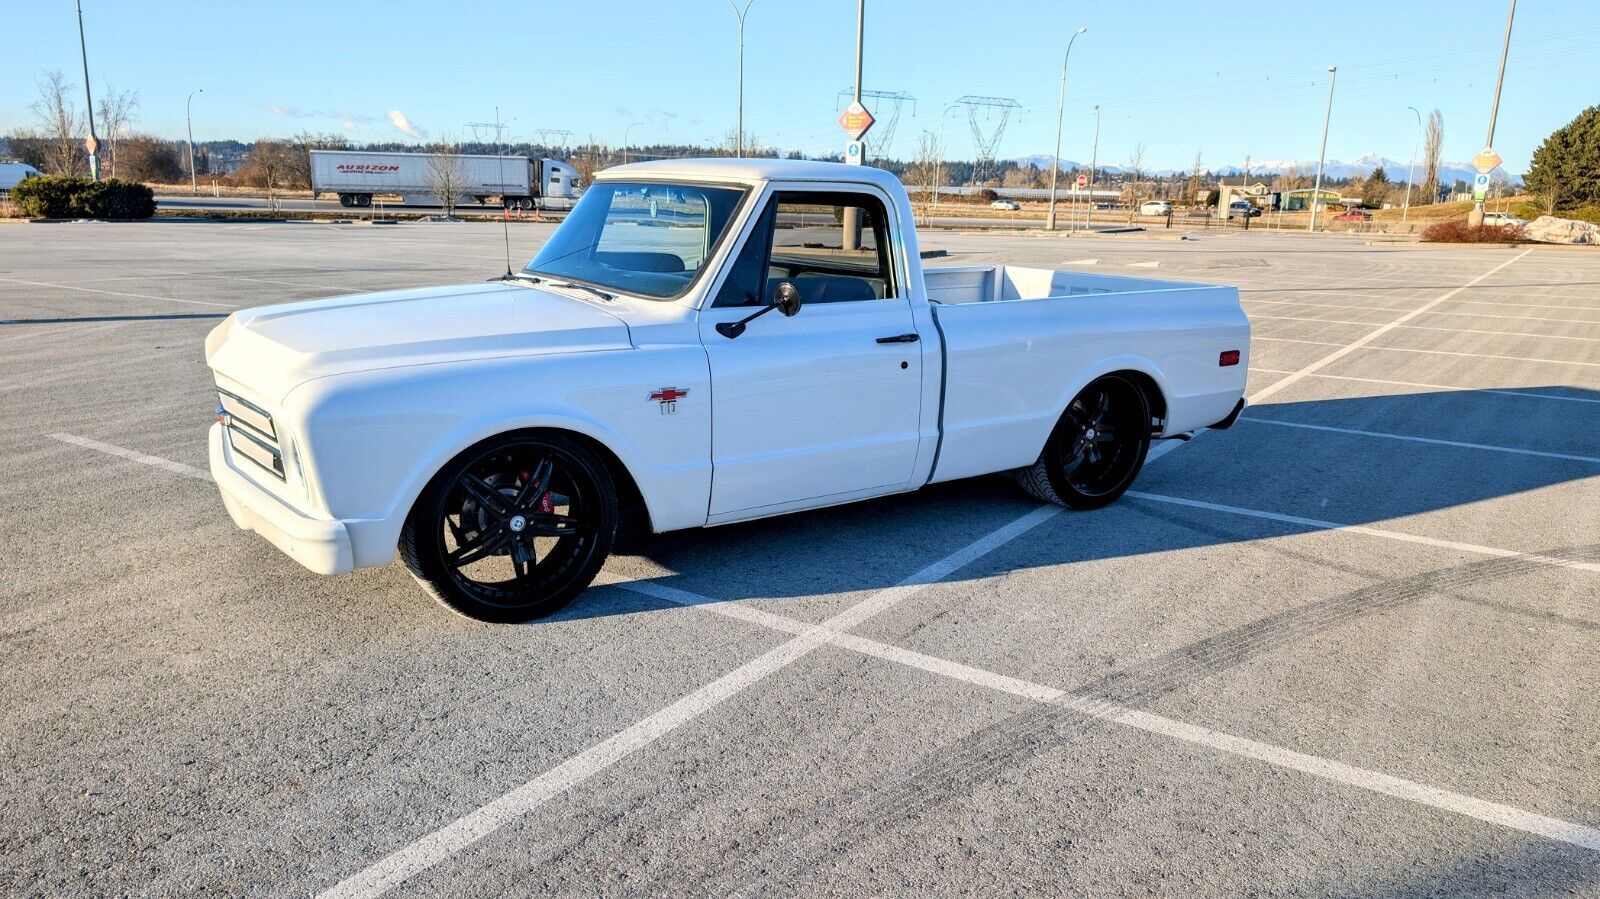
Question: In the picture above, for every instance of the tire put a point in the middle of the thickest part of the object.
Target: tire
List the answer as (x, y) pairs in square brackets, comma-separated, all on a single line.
[(1097, 448), (345, 200), (488, 538), (363, 199), (525, 203)]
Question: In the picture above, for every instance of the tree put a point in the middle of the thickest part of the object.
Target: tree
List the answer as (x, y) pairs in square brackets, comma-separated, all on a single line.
[(1192, 190), (1432, 147), (269, 165), (446, 176), (118, 110), (1135, 170), (63, 126), (1375, 190), (144, 157), (1567, 164), (924, 170), (299, 175)]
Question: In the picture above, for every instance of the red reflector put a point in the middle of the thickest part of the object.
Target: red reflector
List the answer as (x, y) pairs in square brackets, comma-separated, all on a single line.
[(1228, 357)]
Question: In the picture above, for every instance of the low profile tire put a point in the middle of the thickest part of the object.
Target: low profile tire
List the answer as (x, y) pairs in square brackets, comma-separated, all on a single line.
[(1096, 449), (512, 529)]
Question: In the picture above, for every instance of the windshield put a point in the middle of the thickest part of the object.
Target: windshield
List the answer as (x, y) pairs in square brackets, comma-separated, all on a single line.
[(639, 238)]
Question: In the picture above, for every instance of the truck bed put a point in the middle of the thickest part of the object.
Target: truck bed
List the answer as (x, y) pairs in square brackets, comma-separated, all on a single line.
[(956, 284)]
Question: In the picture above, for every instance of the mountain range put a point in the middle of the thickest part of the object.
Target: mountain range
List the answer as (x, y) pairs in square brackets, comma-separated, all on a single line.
[(1333, 168)]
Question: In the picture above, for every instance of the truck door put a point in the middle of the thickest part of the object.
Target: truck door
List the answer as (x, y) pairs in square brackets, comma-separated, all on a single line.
[(824, 406)]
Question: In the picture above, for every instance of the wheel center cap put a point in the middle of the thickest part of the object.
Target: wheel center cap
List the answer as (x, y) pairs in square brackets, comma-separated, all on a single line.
[(1089, 434), (517, 523)]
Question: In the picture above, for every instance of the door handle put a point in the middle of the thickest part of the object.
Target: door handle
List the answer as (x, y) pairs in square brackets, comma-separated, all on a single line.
[(900, 338)]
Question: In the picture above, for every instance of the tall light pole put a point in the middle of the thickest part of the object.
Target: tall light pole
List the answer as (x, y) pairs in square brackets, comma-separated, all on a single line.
[(1475, 218), (93, 143), (194, 183), (939, 168), (852, 214), (1411, 172), (1316, 192), (1094, 161), (1061, 109), (625, 144), (738, 136)]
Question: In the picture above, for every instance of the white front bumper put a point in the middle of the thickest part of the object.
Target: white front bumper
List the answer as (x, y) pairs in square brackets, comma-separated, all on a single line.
[(320, 544)]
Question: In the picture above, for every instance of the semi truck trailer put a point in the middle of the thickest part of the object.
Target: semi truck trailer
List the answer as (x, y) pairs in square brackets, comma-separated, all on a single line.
[(516, 181)]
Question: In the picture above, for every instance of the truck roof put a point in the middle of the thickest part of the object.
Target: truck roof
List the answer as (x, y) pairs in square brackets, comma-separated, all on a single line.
[(752, 170)]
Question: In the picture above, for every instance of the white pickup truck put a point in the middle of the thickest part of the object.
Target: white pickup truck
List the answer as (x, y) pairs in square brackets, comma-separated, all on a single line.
[(499, 434)]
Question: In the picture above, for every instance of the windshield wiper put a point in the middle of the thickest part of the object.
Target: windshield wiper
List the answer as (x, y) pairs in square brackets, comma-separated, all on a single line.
[(518, 276), (595, 291)]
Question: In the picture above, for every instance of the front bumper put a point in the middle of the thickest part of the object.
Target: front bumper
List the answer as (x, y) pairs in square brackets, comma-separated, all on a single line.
[(320, 544)]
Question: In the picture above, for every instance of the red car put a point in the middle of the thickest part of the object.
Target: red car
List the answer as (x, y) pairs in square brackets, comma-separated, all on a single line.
[(1354, 215)]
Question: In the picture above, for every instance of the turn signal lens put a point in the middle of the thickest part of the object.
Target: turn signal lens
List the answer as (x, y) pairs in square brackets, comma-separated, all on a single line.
[(1228, 357)]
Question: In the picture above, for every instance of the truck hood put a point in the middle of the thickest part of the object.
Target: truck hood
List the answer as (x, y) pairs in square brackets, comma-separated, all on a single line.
[(273, 349)]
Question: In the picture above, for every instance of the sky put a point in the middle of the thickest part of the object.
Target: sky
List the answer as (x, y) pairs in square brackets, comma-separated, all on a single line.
[(1228, 80)]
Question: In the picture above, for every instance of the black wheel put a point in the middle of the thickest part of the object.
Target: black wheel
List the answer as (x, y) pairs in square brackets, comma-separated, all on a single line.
[(344, 200), (512, 529), (526, 203), (1097, 447)]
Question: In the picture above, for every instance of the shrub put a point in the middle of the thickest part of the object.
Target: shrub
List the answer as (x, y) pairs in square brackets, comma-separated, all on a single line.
[(60, 196), (1461, 232)]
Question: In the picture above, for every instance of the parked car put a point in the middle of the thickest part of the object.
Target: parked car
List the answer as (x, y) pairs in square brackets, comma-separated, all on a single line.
[(1354, 215), (1003, 203), (1243, 208), (1155, 207), (501, 433), (1503, 218)]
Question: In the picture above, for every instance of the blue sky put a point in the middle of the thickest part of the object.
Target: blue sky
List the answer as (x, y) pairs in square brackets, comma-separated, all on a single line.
[(1228, 79)]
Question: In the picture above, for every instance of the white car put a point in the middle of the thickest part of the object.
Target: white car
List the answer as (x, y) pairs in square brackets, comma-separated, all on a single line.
[(1503, 218), (1155, 207), (633, 376), (1003, 203), (14, 173)]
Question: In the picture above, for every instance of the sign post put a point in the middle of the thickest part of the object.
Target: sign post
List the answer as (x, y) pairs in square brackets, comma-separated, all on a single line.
[(1480, 187)]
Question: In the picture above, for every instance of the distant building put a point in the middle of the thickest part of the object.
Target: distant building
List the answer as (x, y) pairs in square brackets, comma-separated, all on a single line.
[(1300, 200)]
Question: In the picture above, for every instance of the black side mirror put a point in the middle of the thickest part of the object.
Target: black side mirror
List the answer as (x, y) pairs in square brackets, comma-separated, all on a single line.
[(785, 299)]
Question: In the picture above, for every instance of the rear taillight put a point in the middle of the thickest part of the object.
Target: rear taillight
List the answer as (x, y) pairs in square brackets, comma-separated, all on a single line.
[(1228, 357)]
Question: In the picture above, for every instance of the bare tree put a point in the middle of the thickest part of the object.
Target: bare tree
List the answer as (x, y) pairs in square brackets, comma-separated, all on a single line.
[(1432, 148), (269, 165), (63, 125), (118, 110), (924, 169), (1196, 172), (1135, 172), (446, 176)]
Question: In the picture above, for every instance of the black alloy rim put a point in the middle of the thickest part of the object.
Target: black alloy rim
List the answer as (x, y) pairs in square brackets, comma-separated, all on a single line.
[(1101, 442), (518, 523)]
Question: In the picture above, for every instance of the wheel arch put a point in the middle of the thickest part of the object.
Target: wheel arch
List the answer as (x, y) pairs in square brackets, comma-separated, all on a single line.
[(1147, 376)]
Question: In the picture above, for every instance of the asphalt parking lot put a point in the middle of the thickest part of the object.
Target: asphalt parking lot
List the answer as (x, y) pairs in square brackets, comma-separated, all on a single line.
[(1346, 648)]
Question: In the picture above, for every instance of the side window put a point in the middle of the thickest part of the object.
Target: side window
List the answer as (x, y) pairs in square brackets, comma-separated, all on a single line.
[(802, 239)]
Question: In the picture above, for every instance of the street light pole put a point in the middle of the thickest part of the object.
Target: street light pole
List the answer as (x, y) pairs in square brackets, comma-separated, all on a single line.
[(1094, 161), (1411, 172), (1316, 192), (738, 136), (1475, 218), (1061, 109), (851, 218), (625, 144), (93, 143), (194, 184)]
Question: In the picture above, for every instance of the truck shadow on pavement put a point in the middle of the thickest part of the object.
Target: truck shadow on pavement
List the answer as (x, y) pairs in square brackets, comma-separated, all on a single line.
[(1421, 453)]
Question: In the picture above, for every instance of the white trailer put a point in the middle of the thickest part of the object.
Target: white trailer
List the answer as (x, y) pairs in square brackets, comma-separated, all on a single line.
[(14, 173), (516, 181)]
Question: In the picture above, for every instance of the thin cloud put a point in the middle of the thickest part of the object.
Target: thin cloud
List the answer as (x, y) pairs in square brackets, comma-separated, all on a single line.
[(288, 112), (404, 126)]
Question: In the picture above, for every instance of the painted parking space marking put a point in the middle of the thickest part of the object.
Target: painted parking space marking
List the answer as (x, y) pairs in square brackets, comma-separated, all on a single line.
[(1407, 349), (1498, 814), (1524, 394), (1531, 318), (188, 471), (1335, 321), (1357, 432), (435, 847), (116, 293)]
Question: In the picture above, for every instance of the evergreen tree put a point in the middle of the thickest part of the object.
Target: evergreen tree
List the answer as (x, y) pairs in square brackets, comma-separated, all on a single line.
[(1567, 164)]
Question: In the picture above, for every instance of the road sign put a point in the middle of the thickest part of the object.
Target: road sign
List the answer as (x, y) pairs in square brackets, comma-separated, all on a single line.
[(1083, 181), (1480, 186), (90, 144), (855, 153), (1486, 160), (855, 120)]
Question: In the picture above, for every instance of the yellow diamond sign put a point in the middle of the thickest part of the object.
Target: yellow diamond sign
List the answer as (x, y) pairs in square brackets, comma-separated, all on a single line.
[(1486, 160)]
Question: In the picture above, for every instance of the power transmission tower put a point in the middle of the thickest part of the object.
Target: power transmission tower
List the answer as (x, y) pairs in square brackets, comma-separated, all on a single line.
[(552, 138), (886, 112), (995, 113)]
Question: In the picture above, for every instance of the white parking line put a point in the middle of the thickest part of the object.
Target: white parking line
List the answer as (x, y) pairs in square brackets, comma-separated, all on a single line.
[(1407, 349), (117, 293), (1527, 318), (1319, 524), (1494, 813), (188, 471), (1433, 440), (1360, 342), (1336, 321), (432, 848), (1525, 394)]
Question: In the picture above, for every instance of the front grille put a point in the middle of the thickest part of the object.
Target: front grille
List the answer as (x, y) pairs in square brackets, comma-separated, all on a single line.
[(251, 432)]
